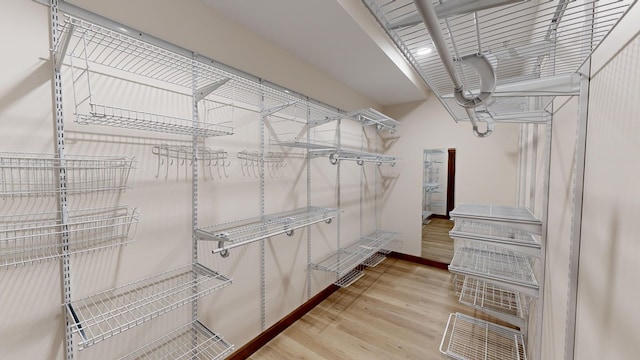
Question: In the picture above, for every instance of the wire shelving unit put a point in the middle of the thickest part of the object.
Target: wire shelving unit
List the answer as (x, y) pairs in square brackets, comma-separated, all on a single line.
[(192, 341), (468, 338), (98, 317), (243, 232), (497, 266), (500, 236), (516, 217), (33, 175), (347, 263), (31, 238), (502, 303)]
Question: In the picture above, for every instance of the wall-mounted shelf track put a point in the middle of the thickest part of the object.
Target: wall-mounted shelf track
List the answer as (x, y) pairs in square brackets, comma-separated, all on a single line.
[(468, 338), (30, 238), (346, 262), (98, 317), (369, 117), (516, 217), (504, 304), (359, 157), (496, 235), (497, 266), (238, 233), (32, 175), (192, 341)]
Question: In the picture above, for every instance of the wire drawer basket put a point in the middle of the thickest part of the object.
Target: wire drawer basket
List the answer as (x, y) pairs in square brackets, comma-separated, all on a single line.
[(28, 175), (30, 238)]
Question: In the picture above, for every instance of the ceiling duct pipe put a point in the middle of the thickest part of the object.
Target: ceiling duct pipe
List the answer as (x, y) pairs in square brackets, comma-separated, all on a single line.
[(477, 61)]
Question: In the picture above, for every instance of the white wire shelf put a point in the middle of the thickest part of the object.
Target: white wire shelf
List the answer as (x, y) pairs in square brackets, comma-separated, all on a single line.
[(374, 117), (510, 216), (350, 277), (497, 266), (112, 116), (304, 144), (192, 341), (474, 339), (31, 238), (524, 41), (502, 303), (359, 157), (98, 317), (362, 252), (503, 236), (32, 175), (238, 233)]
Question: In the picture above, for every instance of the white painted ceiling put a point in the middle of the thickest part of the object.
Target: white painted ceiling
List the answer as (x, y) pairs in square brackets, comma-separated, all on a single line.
[(323, 34)]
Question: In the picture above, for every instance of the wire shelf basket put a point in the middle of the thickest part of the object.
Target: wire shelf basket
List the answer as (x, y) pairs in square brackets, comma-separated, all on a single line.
[(366, 251), (528, 43), (30, 174), (505, 304), (497, 266), (238, 233), (503, 236), (98, 317), (516, 217), (474, 339), (192, 341), (30, 238)]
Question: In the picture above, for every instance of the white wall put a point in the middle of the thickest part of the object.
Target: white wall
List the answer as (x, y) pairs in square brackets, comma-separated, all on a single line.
[(33, 320), (486, 169)]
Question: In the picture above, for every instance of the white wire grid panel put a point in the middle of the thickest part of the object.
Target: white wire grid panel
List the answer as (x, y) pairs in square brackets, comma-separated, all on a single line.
[(502, 267), (101, 316), (192, 341), (504, 236), (519, 217), (243, 232), (94, 44), (486, 296), (474, 339), (30, 238), (374, 117), (524, 40), (31, 174), (346, 259), (350, 277)]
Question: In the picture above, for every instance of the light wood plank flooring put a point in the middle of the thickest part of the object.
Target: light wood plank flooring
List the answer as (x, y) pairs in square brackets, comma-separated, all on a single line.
[(436, 243), (398, 310)]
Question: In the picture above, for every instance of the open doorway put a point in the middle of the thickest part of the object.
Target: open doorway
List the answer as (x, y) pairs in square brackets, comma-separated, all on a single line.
[(438, 199)]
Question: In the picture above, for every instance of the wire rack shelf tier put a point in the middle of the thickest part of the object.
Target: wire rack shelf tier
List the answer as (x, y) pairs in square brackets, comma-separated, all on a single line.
[(468, 338), (516, 217), (374, 117), (31, 174), (501, 267), (524, 40), (233, 234), (363, 251), (31, 238), (112, 116), (502, 303), (501, 236), (98, 317), (359, 157), (350, 277), (131, 54), (304, 144), (192, 341)]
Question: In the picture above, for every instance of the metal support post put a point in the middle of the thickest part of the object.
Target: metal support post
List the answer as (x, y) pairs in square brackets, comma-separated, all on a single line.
[(263, 280), (308, 163), (194, 181)]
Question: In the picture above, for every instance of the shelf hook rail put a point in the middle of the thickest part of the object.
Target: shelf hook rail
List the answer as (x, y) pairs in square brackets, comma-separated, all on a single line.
[(478, 61)]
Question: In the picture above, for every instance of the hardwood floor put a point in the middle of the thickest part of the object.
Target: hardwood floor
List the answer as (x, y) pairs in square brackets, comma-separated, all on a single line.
[(436, 243), (398, 310)]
